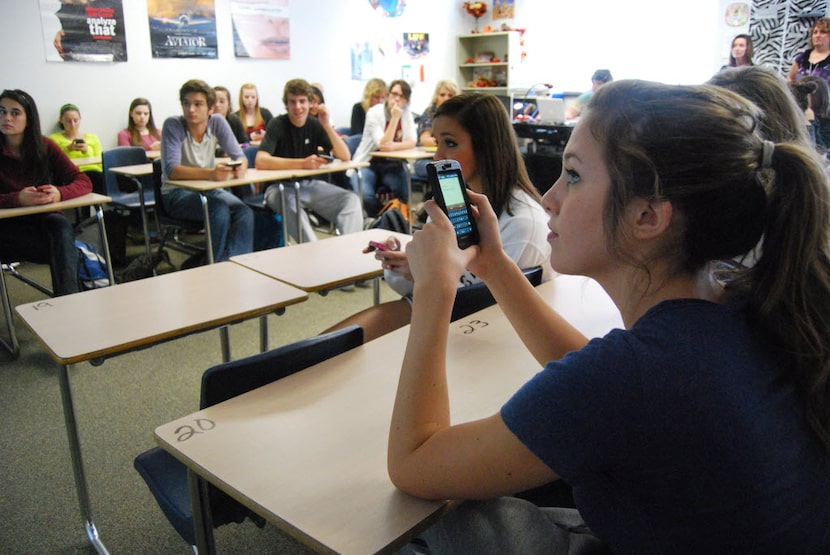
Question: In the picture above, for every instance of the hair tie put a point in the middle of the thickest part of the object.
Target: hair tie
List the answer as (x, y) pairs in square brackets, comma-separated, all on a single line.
[(766, 159)]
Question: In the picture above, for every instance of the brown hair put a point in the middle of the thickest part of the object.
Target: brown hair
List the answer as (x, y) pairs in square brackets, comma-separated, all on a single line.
[(135, 136)]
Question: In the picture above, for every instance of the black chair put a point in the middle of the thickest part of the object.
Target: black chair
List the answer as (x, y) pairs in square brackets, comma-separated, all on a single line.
[(171, 224), (128, 201), (477, 296), (167, 477)]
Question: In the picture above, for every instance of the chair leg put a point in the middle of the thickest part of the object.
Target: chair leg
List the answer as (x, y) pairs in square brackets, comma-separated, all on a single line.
[(11, 345)]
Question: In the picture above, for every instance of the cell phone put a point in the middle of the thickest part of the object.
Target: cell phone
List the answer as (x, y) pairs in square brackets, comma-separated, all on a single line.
[(327, 157), (234, 163), (374, 245), (79, 141), (450, 191)]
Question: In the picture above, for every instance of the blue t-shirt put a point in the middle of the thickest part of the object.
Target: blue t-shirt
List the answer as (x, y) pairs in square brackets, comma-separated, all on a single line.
[(681, 436)]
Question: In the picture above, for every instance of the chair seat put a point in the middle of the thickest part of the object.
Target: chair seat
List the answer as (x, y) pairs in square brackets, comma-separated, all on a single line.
[(132, 200), (167, 479)]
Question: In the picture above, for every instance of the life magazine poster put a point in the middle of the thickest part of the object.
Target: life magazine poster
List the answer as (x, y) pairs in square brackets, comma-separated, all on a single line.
[(182, 28), (261, 29), (83, 31)]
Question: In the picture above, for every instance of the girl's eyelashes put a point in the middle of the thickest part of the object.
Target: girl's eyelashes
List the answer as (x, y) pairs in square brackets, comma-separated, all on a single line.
[(571, 176)]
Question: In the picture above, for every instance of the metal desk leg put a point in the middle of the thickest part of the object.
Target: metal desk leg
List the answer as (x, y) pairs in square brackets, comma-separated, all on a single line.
[(284, 218), (408, 195), (299, 218), (102, 231), (206, 213), (263, 334), (77, 461), (360, 190), (202, 519), (223, 331), (11, 345), (376, 290), (144, 229)]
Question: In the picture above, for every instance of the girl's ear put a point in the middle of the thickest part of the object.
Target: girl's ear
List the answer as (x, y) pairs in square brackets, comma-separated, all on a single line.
[(648, 219)]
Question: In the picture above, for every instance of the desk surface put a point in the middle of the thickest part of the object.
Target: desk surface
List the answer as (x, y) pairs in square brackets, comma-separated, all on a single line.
[(309, 452), (136, 170), (409, 154), (86, 160), (88, 199), (112, 320), (254, 175), (323, 264)]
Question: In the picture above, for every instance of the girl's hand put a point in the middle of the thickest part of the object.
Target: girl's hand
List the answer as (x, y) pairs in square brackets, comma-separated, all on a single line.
[(433, 253), (491, 251)]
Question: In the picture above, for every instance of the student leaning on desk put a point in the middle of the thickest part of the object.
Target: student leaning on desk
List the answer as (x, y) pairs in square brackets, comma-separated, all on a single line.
[(704, 426), (188, 151), (35, 171)]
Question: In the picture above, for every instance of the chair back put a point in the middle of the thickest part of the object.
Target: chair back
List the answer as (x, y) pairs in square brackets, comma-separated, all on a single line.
[(352, 141), (163, 215), (477, 296), (233, 378), (116, 157)]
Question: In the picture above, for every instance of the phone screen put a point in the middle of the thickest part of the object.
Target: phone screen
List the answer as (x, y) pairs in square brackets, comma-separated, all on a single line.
[(451, 196)]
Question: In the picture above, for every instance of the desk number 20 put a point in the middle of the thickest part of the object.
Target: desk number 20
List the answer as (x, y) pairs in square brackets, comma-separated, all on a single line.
[(472, 326), (202, 425)]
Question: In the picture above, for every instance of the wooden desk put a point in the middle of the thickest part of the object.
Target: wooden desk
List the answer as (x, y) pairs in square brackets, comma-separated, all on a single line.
[(86, 161), (308, 452), (90, 199), (417, 153), (323, 265), (102, 323), (254, 175)]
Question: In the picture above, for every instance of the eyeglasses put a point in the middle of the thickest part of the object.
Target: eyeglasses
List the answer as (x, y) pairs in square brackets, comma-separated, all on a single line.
[(394, 94)]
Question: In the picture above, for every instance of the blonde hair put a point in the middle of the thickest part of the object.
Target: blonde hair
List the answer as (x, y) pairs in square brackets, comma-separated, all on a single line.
[(258, 119), (448, 84), (373, 86)]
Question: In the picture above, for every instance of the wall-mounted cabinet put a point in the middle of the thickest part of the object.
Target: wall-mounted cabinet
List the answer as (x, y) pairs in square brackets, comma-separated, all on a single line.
[(489, 61)]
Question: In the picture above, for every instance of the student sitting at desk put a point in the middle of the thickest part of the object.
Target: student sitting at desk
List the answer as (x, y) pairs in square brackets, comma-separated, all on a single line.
[(704, 426), (297, 141), (188, 151), (389, 127), (34, 171), (141, 127), (473, 129), (80, 145)]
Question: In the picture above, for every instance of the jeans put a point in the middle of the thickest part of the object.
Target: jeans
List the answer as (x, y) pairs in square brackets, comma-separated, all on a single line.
[(508, 525), (43, 238), (392, 175), (337, 205), (231, 220)]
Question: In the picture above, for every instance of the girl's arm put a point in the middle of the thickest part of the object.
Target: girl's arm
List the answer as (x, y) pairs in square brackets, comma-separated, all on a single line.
[(426, 456)]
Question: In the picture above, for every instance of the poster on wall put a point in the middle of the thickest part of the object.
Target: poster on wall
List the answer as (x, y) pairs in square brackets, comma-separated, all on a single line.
[(503, 9), (83, 31), (182, 28), (416, 44), (362, 61), (260, 29)]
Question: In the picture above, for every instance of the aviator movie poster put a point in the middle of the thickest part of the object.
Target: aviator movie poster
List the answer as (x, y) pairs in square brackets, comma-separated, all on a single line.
[(182, 28)]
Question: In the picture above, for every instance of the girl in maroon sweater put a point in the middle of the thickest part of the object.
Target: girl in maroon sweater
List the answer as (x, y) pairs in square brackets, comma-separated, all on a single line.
[(34, 171)]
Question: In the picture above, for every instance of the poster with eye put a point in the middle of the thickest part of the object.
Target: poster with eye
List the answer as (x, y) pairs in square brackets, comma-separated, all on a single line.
[(261, 29), (182, 28), (88, 31)]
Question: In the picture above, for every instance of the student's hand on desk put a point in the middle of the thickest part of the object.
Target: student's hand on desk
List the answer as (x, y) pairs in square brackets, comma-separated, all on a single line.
[(35, 196), (314, 162), (393, 259), (433, 253), (224, 172)]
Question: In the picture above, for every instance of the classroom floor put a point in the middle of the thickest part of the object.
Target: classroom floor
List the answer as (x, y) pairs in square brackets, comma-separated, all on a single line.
[(118, 405)]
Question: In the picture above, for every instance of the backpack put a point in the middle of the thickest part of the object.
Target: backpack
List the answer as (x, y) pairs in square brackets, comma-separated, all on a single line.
[(393, 217), (92, 268)]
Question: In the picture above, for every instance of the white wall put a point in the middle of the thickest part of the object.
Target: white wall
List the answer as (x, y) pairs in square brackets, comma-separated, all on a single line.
[(674, 42)]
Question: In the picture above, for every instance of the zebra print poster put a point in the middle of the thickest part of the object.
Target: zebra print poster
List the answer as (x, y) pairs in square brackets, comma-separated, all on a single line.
[(780, 29)]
